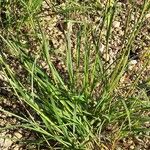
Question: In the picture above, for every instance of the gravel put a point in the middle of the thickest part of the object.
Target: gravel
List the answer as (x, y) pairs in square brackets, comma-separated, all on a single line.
[(55, 27)]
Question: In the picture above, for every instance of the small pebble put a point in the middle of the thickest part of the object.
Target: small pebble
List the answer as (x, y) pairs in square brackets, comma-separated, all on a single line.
[(8, 143), (106, 57), (147, 16), (131, 147), (133, 62), (101, 48), (116, 24), (16, 147), (118, 148), (18, 135)]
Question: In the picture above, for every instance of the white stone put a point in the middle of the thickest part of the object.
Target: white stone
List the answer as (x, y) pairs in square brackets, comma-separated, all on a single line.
[(102, 47), (132, 147), (8, 143), (118, 148), (147, 16), (1, 142), (18, 135), (133, 62), (16, 147), (106, 57), (116, 24)]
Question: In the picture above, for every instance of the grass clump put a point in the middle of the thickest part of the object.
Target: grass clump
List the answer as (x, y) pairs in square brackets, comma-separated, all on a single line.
[(73, 111)]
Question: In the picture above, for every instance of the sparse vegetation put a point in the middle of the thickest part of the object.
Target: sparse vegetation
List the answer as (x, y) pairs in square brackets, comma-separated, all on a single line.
[(76, 97)]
